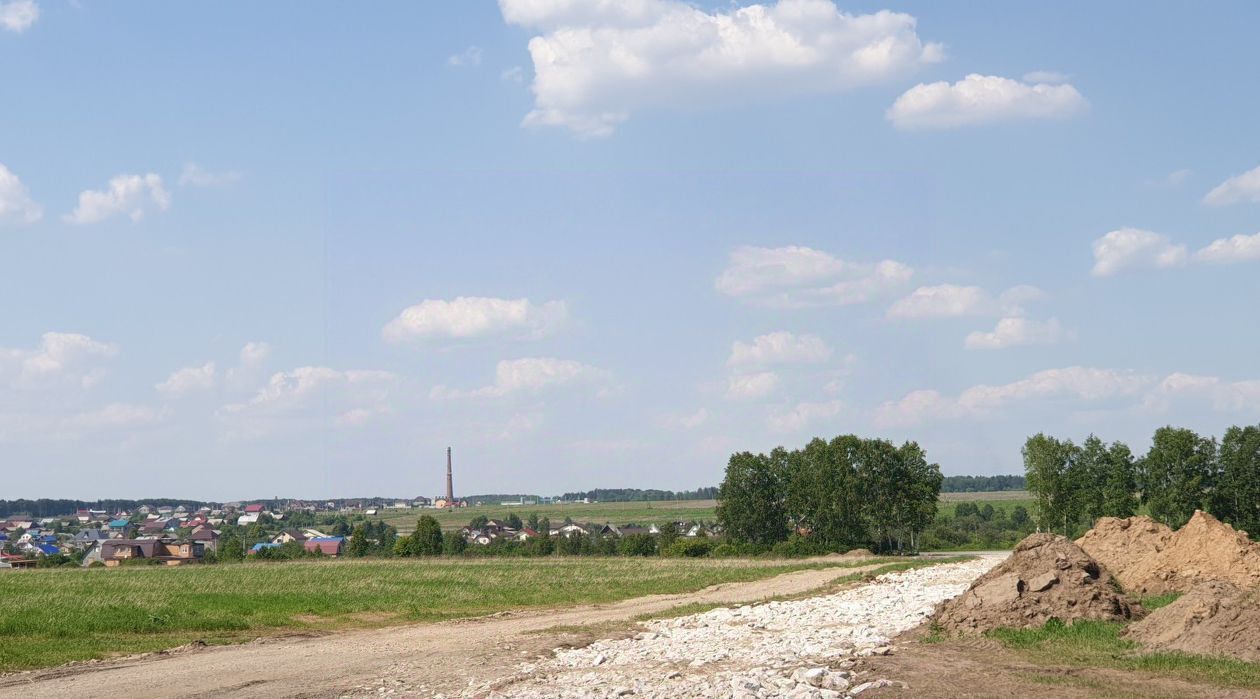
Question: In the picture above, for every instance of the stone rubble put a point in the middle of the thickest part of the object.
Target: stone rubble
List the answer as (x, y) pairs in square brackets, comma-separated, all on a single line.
[(798, 649)]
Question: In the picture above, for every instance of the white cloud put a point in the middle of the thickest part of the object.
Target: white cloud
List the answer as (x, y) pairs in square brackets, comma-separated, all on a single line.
[(60, 358), (197, 378), (982, 99), (688, 421), (803, 415), (1240, 188), (1240, 248), (528, 375), (798, 277), (1017, 332), (598, 61), (470, 317), (18, 15), (779, 348), (749, 386), (27, 427), (1079, 383), (255, 353), (1045, 76), (469, 57), (1133, 247), (127, 194), (16, 205), (351, 396), (1173, 179), (193, 175), (1224, 396), (954, 301), (515, 74)]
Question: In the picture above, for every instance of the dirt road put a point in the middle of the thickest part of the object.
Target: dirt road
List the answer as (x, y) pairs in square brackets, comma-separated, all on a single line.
[(428, 658)]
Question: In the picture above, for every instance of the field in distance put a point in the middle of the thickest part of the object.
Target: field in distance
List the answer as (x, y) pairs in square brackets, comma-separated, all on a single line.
[(654, 512), (50, 617)]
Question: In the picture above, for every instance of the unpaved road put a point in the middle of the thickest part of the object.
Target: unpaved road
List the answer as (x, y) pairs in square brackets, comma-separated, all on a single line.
[(429, 658)]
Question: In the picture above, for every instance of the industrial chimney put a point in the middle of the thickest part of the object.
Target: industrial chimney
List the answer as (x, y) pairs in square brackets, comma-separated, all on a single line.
[(450, 486)]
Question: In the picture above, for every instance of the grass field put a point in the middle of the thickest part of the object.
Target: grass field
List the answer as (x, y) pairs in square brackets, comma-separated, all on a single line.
[(50, 617), (658, 512)]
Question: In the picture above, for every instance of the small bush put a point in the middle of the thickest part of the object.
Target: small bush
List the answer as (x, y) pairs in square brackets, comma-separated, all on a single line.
[(688, 548)]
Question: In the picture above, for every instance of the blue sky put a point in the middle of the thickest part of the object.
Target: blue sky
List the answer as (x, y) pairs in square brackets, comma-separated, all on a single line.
[(298, 249)]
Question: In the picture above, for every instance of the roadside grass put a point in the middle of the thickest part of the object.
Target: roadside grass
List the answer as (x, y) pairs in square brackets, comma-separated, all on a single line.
[(50, 617), (1153, 603), (1098, 644)]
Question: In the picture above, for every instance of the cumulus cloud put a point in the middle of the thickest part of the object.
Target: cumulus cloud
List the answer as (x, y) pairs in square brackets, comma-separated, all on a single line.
[(954, 301), (348, 397), (197, 378), (193, 175), (779, 348), (750, 386), (1129, 248), (18, 15), (1240, 188), (982, 99), (470, 317), (16, 205), (60, 358), (1017, 332), (1221, 395), (469, 57), (688, 421), (800, 277), (127, 194), (27, 427), (528, 375), (1079, 383), (803, 415), (598, 61), (255, 353), (1239, 248)]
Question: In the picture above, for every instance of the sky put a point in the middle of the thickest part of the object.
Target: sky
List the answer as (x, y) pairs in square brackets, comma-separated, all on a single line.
[(298, 249)]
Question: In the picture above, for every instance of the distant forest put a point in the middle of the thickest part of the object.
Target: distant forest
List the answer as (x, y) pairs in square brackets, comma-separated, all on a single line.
[(637, 495), (45, 507), (982, 484)]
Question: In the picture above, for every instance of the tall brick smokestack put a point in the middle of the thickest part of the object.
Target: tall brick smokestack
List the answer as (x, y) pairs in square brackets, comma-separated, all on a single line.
[(450, 484)]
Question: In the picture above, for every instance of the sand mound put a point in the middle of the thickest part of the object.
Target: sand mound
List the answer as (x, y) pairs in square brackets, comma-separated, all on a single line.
[(1205, 549), (1046, 577), (1215, 618), (1120, 544), (858, 553)]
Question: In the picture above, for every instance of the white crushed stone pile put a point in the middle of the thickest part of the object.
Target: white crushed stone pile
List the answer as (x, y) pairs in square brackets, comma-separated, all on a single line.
[(801, 648)]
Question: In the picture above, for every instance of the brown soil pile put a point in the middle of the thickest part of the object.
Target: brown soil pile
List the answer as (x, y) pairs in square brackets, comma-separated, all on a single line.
[(1203, 550), (1046, 577), (1215, 618), (858, 553), (1120, 544)]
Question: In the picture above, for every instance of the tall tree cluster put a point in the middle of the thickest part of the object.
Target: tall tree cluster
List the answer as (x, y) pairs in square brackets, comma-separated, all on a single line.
[(843, 493), (1182, 472)]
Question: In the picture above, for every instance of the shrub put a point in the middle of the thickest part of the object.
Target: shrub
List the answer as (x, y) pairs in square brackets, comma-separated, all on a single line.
[(689, 548), (798, 546), (638, 545)]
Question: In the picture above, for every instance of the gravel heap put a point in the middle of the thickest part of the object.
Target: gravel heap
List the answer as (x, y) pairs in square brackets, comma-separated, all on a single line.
[(799, 648), (1214, 618), (1046, 577)]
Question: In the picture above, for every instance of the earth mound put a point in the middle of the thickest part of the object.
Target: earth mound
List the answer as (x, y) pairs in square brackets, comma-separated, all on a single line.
[(1121, 543), (858, 553), (1203, 550), (1215, 618), (1046, 576)]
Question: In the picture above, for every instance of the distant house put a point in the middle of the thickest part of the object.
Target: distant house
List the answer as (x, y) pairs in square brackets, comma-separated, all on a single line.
[(314, 533), (254, 509), (525, 534), (262, 545), (207, 537), (246, 519), (44, 550), (569, 530), (287, 535), (327, 545), (113, 552), (119, 525), (87, 536)]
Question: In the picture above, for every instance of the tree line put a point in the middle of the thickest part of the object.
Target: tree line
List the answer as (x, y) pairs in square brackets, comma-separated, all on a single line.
[(982, 484), (49, 507), (1183, 471), (833, 495), (642, 495)]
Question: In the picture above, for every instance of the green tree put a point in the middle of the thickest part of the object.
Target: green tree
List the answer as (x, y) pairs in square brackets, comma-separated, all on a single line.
[(402, 546), (359, 546), (514, 521), (533, 521), (1237, 501), (1088, 475), (1119, 487), (427, 539), (231, 548), (751, 499), (453, 544), (1178, 474), (1048, 470), (822, 496)]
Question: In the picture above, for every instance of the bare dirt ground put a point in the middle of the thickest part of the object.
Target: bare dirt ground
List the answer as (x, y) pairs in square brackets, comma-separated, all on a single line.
[(980, 668), (429, 658)]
